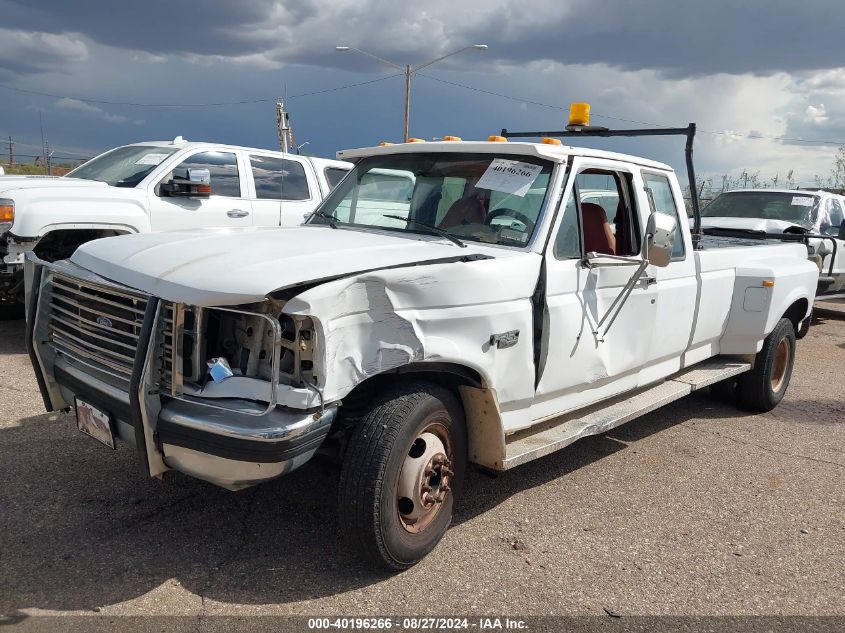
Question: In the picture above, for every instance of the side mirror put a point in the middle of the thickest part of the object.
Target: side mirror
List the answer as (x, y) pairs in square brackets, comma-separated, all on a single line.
[(195, 184), (660, 238), (841, 235)]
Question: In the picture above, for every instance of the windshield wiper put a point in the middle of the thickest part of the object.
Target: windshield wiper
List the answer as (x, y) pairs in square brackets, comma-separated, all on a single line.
[(436, 230), (332, 221)]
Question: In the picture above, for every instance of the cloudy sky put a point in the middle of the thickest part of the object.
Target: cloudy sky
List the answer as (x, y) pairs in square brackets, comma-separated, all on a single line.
[(738, 68)]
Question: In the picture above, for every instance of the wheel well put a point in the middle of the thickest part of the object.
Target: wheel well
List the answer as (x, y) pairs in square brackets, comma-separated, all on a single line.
[(354, 404), (61, 243), (449, 375), (796, 312)]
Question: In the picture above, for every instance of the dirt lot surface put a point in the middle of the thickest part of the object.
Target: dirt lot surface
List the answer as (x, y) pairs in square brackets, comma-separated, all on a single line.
[(694, 509)]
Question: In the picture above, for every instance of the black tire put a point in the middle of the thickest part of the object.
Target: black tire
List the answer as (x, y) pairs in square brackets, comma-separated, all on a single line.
[(368, 507), (763, 387)]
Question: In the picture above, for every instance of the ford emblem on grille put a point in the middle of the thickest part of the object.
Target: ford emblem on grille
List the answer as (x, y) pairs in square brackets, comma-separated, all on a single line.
[(104, 321)]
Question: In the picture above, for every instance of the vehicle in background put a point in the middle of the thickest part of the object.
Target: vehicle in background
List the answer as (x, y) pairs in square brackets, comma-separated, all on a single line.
[(496, 320), (152, 187), (792, 211)]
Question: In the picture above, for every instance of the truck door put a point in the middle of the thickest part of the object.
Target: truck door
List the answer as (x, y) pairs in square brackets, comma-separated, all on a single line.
[(228, 204), (284, 192), (600, 213), (675, 284)]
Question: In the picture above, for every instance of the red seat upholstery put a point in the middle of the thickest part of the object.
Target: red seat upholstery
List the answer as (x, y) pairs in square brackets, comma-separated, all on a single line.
[(598, 236)]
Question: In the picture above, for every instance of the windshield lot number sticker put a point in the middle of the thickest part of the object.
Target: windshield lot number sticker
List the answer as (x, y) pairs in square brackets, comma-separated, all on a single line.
[(802, 201), (150, 159), (509, 176)]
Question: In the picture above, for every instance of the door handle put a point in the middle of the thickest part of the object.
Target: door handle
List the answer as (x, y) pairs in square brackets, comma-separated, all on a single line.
[(648, 279), (237, 213)]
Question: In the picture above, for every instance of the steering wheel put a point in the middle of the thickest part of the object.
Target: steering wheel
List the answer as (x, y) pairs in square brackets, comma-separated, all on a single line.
[(512, 213)]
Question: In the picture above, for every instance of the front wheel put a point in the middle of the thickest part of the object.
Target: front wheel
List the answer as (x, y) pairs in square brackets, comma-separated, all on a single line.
[(763, 387), (403, 465)]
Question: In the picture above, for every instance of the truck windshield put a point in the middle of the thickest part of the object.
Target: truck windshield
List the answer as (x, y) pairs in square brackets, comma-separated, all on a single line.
[(476, 197), (798, 208), (123, 166)]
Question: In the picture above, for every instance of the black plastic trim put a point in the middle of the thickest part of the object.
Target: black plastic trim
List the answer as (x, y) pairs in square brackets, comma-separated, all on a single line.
[(144, 339), (29, 332), (112, 406), (240, 449)]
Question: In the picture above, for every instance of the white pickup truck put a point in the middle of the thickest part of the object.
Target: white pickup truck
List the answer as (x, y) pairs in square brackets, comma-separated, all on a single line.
[(817, 218), (135, 189), (498, 319)]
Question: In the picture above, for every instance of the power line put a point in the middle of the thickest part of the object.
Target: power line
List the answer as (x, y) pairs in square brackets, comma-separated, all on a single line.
[(613, 118), (195, 105), (522, 100), (427, 76)]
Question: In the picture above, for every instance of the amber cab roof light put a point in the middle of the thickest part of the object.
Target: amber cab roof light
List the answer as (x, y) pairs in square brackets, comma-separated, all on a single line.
[(579, 114)]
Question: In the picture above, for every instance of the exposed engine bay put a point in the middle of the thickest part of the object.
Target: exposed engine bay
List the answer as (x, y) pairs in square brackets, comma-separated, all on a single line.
[(256, 341)]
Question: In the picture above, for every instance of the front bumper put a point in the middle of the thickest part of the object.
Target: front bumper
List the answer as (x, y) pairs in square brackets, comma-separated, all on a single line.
[(234, 448)]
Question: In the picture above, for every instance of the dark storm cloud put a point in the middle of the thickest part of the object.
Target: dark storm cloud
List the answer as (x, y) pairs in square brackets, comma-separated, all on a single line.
[(205, 27), (680, 37), (674, 36)]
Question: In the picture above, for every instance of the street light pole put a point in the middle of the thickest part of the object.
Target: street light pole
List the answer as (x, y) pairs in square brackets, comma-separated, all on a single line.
[(407, 101), (409, 71)]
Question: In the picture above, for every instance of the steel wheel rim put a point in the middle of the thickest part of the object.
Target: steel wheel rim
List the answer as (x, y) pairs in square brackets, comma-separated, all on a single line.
[(780, 364), (425, 477)]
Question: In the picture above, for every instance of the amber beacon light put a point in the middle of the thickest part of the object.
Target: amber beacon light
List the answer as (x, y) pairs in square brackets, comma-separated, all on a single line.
[(579, 114)]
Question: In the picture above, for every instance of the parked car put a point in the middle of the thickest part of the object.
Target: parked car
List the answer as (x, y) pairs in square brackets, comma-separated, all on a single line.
[(144, 187), (797, 211), (493, 322)]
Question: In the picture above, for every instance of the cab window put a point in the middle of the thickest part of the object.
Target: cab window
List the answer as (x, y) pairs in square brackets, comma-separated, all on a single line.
[(664, 202), (279, 179), (334, 175), (835, 214), (599, 216), (223, 167)]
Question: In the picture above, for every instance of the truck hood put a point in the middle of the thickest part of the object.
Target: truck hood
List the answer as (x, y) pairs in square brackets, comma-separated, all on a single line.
[(750, 224), (215, 267), (55, 184)]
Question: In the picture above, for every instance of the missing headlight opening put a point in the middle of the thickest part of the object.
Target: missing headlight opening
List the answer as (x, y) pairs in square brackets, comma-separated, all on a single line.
[(245, 337)]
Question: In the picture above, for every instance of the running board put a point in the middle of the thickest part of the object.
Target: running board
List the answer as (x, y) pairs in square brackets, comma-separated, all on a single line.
[(554, 434)]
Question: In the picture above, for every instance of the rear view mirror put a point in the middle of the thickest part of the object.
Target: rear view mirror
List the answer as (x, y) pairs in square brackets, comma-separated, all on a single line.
[(660, 239), (195, 184)]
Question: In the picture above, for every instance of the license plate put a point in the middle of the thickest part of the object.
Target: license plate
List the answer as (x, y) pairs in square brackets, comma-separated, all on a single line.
[(94, 422)]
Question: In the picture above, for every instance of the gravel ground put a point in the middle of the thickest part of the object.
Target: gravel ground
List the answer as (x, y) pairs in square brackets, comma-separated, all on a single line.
[(693, 509)]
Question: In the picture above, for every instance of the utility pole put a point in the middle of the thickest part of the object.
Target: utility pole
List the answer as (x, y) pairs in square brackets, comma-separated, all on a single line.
[(43, 143), (283, 124), (11, 152)]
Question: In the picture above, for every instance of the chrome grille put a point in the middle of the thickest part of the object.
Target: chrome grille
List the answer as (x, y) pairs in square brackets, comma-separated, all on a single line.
[(167, 346), (96, 325)]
